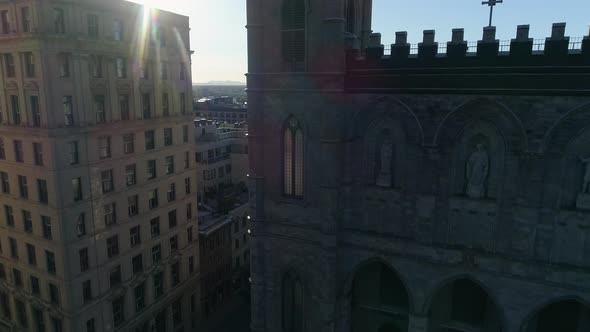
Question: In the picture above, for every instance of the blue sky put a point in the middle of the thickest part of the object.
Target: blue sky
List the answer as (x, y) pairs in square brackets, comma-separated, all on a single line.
[(218, 35)]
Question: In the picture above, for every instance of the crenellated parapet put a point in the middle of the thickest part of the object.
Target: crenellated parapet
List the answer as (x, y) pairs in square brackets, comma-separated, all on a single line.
[(501, 60)]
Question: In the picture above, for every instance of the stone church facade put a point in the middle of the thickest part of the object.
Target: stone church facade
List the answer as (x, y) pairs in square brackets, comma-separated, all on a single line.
[(415, 192)]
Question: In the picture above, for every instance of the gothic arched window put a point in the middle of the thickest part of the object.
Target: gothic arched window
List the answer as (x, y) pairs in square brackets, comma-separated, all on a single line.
[(293, 159), (292, 304), (293, 34)]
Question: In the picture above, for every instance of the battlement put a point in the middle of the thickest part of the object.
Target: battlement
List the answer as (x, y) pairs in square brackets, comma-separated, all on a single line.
[(557, 55)]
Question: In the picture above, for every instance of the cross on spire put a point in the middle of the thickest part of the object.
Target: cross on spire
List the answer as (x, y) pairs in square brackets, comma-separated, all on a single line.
[(492, 4)]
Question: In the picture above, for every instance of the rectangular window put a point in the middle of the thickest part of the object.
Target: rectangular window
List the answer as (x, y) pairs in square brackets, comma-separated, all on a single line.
[(128, 143), (87, 291), (191, 264), (50, 260), (35, 287), (115, 276), (84, 263), (168, 140), (175, 274), (158, 284), (163, 71), (165, 105), (124, 107), (27, 221), (182, 103), (171, 192), (177, 313), (38, 154), (134, 236), (53, 294), (169, 164), (155, 226), (18, 151), (81, 224), (185, 134), (73, 152), (139, 293), (186, 160), (173, 244), (189, 234), (156, 253), (2, 149), (99, 109), (95, 63), (35, 111), (5, 182), (110, 216), (13, 248), (59, 22), (144, 71), (146, 104), (29, 62), (151, 169), (113, 246), (137, 264), (39, 319), (4, 302), (121, 66), (25, 13), (150, 143), (21, 311), (31, 254), (189, 211), (107, 181), (92, 21), (77, 189), (130, 175), (153, 199), (5, 22), (46, 225), (22, 186), (132, 208), (9, 65), (68, 111), (42, 190), (104, 147), (64, 64), (187, 186), (172, 221), (57, 325), (118, 31)]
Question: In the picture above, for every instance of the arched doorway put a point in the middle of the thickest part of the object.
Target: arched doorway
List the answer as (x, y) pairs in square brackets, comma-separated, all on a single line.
[(464, 306), (379, 300), (562, 316)]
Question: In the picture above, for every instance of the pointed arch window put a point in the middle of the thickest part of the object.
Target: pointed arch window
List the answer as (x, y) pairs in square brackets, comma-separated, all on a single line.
[(293, 34), (292, 304), (293, 159)]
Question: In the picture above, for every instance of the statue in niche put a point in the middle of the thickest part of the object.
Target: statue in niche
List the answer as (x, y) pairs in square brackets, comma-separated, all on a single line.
[(384, 170), (477, 170)]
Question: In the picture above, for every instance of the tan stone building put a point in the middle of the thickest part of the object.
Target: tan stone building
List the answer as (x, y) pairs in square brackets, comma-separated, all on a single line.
[(98, 229)]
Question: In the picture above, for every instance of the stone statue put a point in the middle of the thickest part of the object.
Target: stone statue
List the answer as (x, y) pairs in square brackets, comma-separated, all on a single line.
[(586, 181), (477, 169), (384, 172)]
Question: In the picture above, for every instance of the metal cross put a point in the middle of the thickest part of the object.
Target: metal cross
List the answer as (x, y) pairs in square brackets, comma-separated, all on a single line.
[(492, 3)]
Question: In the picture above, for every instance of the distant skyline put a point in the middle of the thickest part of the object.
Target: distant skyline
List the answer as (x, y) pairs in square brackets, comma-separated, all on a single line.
[(218, 33)]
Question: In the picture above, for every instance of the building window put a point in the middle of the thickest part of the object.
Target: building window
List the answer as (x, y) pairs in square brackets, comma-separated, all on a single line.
[(59, 22), (35, 287), (151, 169), (144, 71), (177, 313), (292, 306), (77, 189), (4, 303), (137, 264), (189, 211), (5, 22), (182, 71), (22, 186), (84, 263), (134, 236), (31, 254), (38, 154), (2, 149), (153, 199), (92, 21), (171, 192), (185, 134), (118, 31), (158, 284), (173, 244), (68, 111), (121, 66), (175, 274), (9, 214), (95, 63), (107, 181), (128, 143), (81, 224), (168, 140), (155, 226), (14, 104), (99, 109), (42, 191), (13, 248), (5, 182), (130, 175), (150, 142), (191, 264), (110, 215), (39, 318), (113, 246), (57, 326), (29, 59), (18, 151), (90, 327), (189, 234), (139, 292), (182, 103), (124, 107), (169, 164), (26, 18), (46, 225), (28, 221), (104, 147), (156, 253), (163, 71), (146, 103), (87, 291), (73, 152), (186, 160), (9, 65), (50, 260), (35, 111), (293, 34), (187, 185), (293, 159), (115, 276), (53, 294), (64, 64), (132, 208), (21, 312), (172, 221)]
